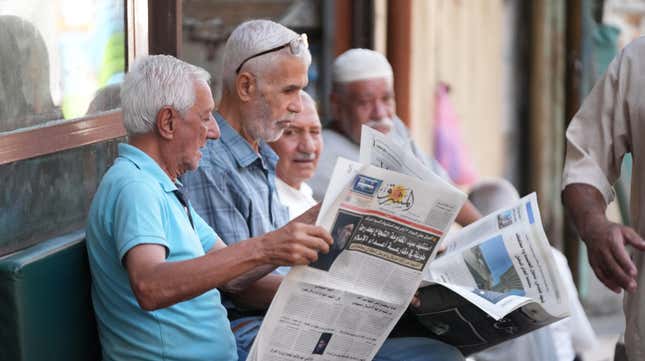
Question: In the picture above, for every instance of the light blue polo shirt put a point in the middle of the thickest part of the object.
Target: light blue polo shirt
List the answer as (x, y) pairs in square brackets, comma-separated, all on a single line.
[(133, 205)]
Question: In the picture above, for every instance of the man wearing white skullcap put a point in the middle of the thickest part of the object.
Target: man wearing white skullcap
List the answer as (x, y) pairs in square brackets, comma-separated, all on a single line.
[(361, 64), (363, 94)]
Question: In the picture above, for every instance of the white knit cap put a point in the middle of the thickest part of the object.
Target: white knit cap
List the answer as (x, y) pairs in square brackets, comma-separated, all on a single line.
[(360, 64)]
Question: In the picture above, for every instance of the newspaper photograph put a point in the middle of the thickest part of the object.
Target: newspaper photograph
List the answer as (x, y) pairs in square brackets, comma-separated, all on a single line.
[(386, 227)]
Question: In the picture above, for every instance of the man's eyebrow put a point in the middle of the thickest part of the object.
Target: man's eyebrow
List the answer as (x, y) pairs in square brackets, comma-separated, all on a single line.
[(367, 94)]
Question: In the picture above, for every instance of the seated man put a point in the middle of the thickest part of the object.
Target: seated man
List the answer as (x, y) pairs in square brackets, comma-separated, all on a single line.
[(155, 263), (363, 94), (265, 69), (299, 149)]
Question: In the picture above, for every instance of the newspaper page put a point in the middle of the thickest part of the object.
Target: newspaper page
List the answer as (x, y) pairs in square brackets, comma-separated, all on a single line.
[(502, 262), (497, 280), (386, 227), (382, 151), (518, 227)]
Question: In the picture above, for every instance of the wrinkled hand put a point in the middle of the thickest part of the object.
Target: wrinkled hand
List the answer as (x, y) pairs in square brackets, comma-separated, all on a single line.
[(295, 244), (608, 256)]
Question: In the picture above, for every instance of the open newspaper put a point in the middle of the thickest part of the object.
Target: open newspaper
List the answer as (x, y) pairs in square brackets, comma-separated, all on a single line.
[(386, 226), (388, 215), (497, 278), (496, 281)]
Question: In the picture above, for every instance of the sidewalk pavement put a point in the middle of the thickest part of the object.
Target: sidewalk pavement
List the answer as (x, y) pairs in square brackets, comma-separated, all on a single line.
[(608, 329), (605, 311)]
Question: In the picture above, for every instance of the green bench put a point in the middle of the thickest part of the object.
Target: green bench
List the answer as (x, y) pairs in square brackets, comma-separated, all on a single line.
[(45, 306)]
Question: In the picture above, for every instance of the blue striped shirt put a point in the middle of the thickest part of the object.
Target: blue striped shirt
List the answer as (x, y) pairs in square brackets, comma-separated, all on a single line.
[(234, 187)]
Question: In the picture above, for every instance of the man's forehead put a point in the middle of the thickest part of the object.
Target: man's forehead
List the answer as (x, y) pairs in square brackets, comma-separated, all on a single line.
[(288, 70), (373, 86), (203, 96), (306, 119)]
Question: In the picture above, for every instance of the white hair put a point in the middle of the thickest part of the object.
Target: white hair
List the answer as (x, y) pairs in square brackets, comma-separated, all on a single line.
[(153, 82), (253, 37), (491, 194), (360, 64)]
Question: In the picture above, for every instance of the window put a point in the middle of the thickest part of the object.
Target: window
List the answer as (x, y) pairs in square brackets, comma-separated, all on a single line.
[(61, 63)]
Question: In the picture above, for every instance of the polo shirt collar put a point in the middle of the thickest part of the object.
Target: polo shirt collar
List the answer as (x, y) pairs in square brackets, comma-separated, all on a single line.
[(144, 162), (242, 152)]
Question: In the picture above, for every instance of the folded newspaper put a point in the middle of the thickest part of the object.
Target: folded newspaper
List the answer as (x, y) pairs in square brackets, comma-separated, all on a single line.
[(387, 216), (496, 281)]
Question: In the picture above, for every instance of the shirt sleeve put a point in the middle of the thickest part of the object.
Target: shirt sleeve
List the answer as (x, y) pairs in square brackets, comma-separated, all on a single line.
[(206, 234), (216, 201), (598, 135), (138, 218)]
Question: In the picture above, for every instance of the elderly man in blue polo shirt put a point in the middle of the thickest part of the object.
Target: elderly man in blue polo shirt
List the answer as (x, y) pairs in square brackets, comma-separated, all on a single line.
[(155, 263), (264, 69)]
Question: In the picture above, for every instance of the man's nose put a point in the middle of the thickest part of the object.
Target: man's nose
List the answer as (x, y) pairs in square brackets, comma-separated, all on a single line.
[(295, 106), (307, 144), (380, 110), (212, 129)]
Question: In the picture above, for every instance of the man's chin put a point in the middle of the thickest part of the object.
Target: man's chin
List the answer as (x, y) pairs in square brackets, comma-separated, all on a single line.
[(304, 172)]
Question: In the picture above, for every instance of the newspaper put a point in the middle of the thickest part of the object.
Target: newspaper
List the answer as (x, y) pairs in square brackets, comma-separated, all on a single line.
[(382, 151), (388, 215), (386, 227), (501, 265), (502, 262), (497, 278)]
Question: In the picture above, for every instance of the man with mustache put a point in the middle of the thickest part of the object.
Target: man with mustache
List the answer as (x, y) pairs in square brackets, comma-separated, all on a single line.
[(264, 70), (299, 149), (363, 94)]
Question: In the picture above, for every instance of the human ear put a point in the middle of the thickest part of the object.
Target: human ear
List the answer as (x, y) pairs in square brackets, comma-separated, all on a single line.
[(246, 86), (165, 122)]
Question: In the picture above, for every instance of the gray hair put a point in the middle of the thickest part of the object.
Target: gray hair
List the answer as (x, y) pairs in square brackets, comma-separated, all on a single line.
[(253, 37), (491, 194), (153, 82)]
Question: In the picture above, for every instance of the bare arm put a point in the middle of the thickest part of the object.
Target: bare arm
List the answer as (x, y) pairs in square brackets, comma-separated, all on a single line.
[(247, 279), (260, 293), (239, 283), (467, 214), (252, 289), (157, 283), (605, 240)]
